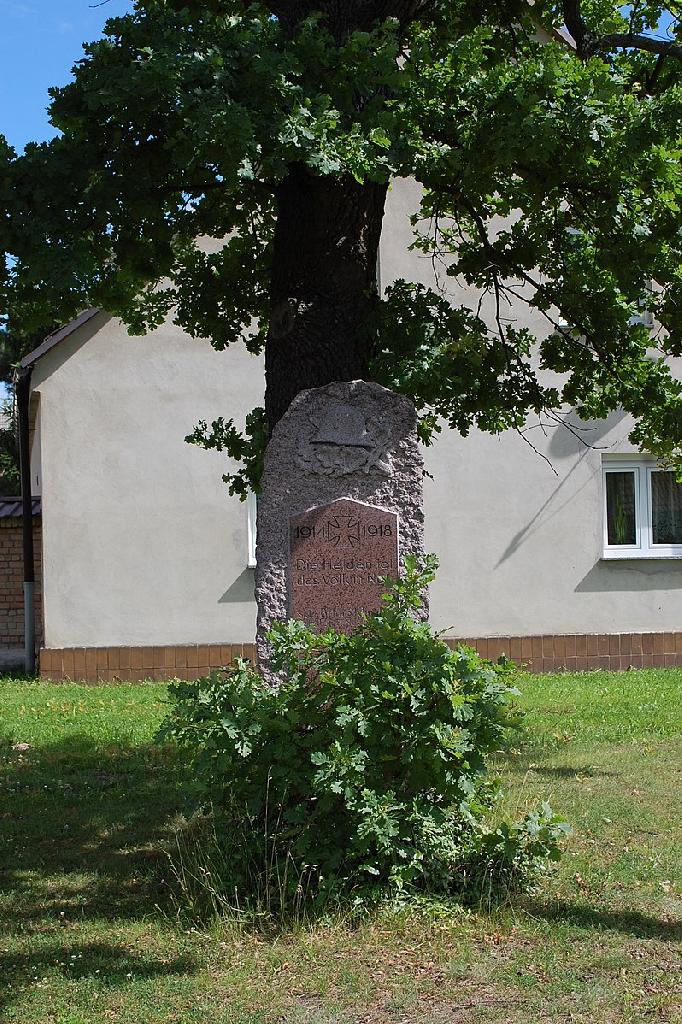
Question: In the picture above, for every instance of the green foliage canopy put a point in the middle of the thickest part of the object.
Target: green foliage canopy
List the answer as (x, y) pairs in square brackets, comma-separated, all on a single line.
[(550, 172)]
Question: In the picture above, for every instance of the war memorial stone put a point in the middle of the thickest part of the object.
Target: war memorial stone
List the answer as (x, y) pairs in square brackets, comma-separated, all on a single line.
[(340, 506)]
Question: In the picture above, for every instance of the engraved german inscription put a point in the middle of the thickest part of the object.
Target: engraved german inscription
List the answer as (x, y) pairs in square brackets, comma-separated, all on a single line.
[(338, 554)]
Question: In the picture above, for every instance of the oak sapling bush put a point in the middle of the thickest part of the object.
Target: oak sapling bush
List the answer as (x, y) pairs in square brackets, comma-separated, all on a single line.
[(363, 773)]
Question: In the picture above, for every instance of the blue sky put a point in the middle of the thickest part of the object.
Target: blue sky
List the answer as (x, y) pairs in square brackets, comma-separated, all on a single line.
[(40, 40)]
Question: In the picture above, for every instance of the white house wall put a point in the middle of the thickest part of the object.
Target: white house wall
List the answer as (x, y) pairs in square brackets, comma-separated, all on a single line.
[(143, 545), (519, 536)]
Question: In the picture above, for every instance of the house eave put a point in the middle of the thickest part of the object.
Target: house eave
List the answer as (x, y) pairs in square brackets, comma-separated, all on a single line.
[(58, 336)]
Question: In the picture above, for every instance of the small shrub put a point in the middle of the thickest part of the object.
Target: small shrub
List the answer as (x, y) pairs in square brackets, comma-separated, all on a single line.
[(364, 772)]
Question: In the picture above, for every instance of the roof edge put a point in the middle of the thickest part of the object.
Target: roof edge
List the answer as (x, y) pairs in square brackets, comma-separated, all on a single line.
[(12, 507), (56, 337)]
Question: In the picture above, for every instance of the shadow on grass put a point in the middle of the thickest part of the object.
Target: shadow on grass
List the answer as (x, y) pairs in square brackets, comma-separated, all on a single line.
[(566, 771), (99, 962), (82, 830), (629, 922), (82, 827)]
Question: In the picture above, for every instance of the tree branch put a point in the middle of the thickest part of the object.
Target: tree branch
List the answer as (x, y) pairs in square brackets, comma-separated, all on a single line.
[(573, 20), (634, 41), (588, 44)]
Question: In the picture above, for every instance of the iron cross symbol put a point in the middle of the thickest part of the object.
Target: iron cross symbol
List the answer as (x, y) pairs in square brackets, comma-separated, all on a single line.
[(344, 531)]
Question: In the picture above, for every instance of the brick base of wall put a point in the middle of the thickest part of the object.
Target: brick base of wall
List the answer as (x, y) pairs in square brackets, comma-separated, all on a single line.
[(113, 664), (569, 652), (580, 652)]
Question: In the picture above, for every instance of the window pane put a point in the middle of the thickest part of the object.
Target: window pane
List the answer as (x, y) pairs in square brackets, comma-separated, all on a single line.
[(620, 508), (666, 508)]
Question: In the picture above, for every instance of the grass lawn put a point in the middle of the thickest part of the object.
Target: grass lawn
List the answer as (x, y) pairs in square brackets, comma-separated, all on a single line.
[(87, 935)]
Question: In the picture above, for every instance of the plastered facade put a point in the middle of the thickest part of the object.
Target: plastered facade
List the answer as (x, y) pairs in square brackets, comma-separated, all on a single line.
[(142, 544)]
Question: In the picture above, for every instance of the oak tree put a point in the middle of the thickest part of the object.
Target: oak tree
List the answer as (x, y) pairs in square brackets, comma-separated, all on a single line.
[(546, 140)]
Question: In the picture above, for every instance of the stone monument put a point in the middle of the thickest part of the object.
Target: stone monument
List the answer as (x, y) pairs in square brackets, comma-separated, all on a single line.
[(340, 506)]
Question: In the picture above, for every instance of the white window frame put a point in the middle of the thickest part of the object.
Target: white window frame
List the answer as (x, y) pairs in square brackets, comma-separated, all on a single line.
[(251, 515), (643, 547)]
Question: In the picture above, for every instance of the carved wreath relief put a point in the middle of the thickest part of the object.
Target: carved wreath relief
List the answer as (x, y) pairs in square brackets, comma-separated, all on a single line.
[(338, 440)]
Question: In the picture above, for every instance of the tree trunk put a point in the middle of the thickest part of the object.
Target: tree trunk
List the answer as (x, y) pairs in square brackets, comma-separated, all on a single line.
[(323, 284)]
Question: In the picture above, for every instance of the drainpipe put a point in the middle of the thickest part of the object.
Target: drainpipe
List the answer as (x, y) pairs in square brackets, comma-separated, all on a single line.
[(23, 391)]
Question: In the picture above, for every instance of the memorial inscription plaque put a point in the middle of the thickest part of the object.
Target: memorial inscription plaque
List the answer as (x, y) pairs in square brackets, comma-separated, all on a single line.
[(338, 554)]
